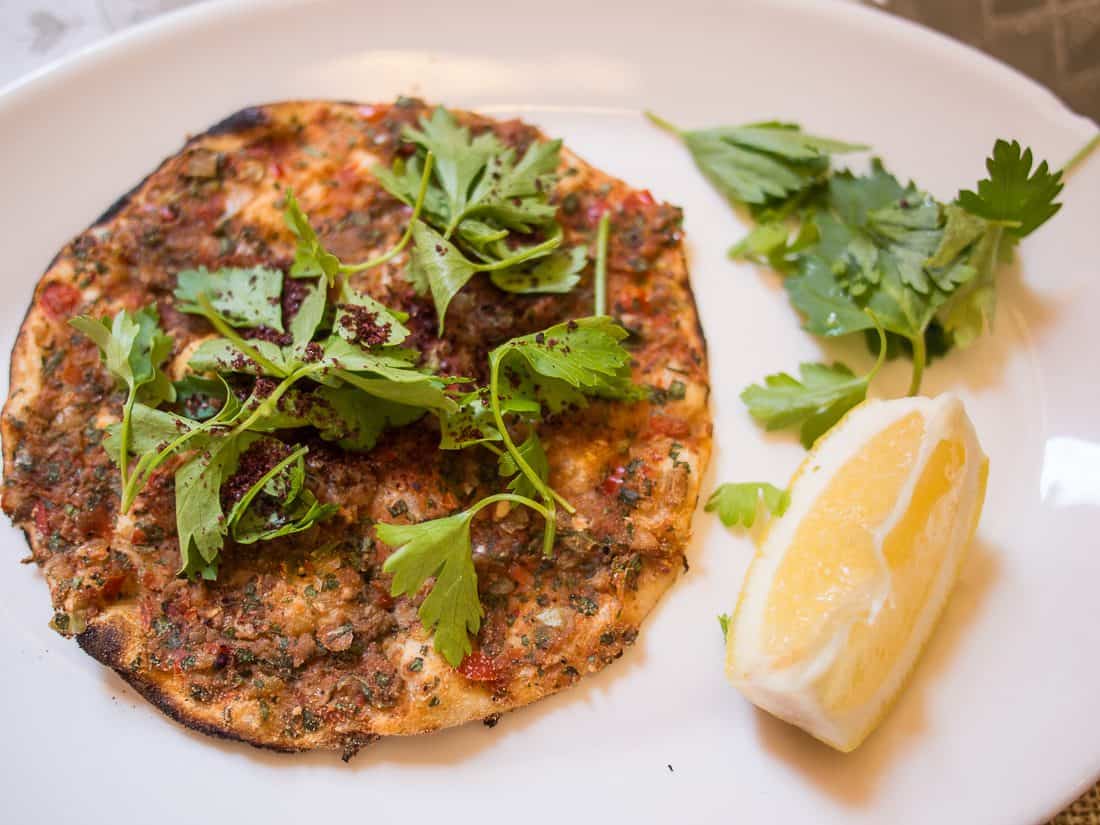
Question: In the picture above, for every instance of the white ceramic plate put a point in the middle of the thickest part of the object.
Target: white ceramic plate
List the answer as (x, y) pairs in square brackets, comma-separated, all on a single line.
[(1001, 723)]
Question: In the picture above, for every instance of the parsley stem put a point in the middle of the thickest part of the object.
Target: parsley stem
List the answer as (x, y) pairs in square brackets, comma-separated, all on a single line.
[(548, 513), (149, 462), (533, 252), (1082, 154), (124, 439), (919, 357), (418, 205), (254, 490), (494, 404), (601, 263), (882, 346), (516, 499), (214, 317), (660, 122), (271, 401)]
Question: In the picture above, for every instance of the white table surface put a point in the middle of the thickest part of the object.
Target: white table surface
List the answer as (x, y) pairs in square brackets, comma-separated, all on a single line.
[(34, 33)]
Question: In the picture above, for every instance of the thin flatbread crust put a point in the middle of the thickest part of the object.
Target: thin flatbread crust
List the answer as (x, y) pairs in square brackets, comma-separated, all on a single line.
[(298, 644)]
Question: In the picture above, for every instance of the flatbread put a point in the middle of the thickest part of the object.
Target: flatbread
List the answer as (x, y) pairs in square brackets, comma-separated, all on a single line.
[(298, 644)]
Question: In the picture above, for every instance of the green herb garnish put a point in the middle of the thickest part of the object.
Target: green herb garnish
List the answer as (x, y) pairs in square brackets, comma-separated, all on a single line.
[(133, 348), (737, 504), (862, 250), (549, 371), (485, 211), (312, 260), (441, 548), (760, 164)]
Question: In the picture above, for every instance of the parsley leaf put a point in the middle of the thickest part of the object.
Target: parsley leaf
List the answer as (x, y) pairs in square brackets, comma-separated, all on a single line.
[(243, 297), (354, 421), (737, 504), (470, 423), (393, 375), (439, 548), (480, 177), (278, 503), (200, 521), (558, 272), (437, 266), (309, 315), (361, 320), (1013, 193), (586, 353), (256, 357), (150, 429), (200, 398), (761, 163), (724, 623), (133, 348), (311, 259), (813, 404), (480, 212)]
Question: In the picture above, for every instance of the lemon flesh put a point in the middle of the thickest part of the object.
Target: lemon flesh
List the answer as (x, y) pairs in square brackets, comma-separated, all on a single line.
[(847, 586)]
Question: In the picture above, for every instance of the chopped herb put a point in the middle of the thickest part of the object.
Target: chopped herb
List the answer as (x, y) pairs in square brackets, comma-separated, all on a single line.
[(481, 206), (737, 504)]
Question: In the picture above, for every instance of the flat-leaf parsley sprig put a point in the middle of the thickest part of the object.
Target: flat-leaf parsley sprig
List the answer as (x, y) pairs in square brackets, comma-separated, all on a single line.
[(337, 365), (530, 376), (485, 211), (311, 259), (850, 246)]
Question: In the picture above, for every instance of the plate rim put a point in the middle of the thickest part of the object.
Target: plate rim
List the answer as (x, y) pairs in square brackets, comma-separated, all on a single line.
[(177, 22), (182, 22)]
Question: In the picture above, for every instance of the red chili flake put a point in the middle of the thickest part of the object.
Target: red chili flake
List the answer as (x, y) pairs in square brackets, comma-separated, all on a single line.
[(382, 596), (40, 520), (595, 212), (638, 200), (613, 482), (59, 299), (477, 667), (671, 425)]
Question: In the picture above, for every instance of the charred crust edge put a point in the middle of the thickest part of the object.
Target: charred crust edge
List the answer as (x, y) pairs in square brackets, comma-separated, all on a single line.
[(105, 643), (243, 120)]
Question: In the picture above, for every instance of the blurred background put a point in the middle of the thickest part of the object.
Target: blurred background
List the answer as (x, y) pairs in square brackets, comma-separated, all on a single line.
[(1056, 42)]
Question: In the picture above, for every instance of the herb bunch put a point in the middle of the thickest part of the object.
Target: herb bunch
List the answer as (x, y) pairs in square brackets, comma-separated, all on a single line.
[(485, 211), (861, 251), (338, 364)]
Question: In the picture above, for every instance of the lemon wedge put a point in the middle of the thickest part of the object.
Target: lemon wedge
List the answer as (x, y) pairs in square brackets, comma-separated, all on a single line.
[(846, 587)]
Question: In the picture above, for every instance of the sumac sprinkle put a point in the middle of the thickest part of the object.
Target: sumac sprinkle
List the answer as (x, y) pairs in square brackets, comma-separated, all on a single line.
[(363, 326), (268, 334), (294, 292), (260, 457)]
